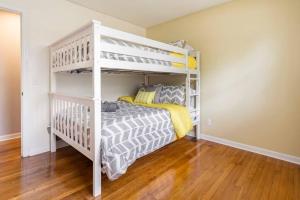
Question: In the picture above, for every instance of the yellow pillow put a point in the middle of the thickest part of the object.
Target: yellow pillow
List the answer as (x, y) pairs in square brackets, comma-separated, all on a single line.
[(144, 97)]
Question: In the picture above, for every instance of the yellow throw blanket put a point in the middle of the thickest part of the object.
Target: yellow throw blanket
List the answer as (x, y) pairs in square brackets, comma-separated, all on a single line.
[(192, 63), (180, 115)]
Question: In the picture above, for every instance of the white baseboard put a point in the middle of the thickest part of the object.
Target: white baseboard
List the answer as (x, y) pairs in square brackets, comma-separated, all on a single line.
[(10, 136), (254, 149), (37, 151), (59, 144)]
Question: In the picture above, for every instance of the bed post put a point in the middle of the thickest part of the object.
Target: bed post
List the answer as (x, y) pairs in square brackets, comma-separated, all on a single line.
[(187, 81), (96, 123), (198, 129), (52, 90)]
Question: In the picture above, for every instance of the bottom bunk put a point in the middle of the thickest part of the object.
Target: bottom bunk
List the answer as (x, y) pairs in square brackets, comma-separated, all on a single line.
[(127, 134)]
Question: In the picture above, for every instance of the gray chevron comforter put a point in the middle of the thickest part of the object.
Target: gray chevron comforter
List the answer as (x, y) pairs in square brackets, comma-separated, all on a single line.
[(130, 133)]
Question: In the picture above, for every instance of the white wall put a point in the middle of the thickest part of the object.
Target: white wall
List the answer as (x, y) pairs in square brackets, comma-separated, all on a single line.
[(167, 80), (113, 85), (9, 73), (43, 22)]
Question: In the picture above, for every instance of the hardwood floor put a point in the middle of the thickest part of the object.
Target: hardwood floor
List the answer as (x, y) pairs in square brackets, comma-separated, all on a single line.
[(183, 170)]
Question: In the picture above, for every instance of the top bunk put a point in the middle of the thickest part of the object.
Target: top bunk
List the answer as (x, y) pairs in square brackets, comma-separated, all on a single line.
[(116, 50)]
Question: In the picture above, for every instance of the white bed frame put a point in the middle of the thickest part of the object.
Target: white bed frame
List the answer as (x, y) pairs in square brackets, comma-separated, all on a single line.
[(81, 49)]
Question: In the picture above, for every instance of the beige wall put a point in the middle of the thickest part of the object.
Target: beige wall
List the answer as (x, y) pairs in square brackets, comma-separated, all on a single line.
[(44, 22), (250, 70), (9, 73)]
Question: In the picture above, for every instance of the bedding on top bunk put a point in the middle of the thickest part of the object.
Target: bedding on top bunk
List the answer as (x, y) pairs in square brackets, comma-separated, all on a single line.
[(130, 58)]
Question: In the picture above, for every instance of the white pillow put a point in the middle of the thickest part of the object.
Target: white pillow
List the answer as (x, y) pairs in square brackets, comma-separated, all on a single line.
[(182, 44), (178, 43)]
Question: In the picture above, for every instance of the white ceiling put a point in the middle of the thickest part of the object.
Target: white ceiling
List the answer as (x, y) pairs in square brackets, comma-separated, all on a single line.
[(147, 13)]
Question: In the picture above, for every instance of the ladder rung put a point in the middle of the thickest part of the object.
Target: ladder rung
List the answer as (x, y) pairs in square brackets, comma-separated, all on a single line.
[(196, 122)]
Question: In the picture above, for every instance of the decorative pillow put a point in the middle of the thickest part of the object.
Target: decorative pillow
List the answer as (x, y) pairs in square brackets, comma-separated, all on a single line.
[(178, 43), (109, 106), (152, 88), (182, 44), (188, 47), (172, 94), (144, 97)]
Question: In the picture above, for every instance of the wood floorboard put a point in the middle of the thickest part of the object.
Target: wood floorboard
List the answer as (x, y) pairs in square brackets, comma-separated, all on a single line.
[(185, 169)]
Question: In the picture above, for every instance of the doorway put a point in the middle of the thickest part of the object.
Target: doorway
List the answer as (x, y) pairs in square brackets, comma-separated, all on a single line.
[(10, 75)]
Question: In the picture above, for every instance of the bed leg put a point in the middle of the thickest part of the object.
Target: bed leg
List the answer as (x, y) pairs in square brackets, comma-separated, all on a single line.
[(52, 142), (198, 134), (96, 178)]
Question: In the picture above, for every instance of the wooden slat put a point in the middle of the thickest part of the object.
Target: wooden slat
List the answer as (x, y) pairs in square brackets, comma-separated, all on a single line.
[(86, 115), (53, 114), (89, 47), (56, 114), (80, 125), (65, 117), (72, 120), (77, 123), (84, 48), (63, 56), (60, 115)]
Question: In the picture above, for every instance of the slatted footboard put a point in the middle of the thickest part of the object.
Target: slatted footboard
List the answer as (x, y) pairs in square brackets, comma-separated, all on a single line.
[(73, 52), (71, 121)]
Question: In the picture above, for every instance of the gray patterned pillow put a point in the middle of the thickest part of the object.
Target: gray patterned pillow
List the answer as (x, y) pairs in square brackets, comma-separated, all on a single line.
[(172, 94)]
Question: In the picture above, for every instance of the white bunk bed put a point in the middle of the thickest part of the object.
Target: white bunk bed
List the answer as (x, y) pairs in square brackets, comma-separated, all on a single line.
[(90, 48)]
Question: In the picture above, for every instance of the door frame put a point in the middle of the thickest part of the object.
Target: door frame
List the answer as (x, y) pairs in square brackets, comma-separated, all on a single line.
[(23, 83)]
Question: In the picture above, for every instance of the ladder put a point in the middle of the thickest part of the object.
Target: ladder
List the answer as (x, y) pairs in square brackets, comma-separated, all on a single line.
[(193, 93)]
